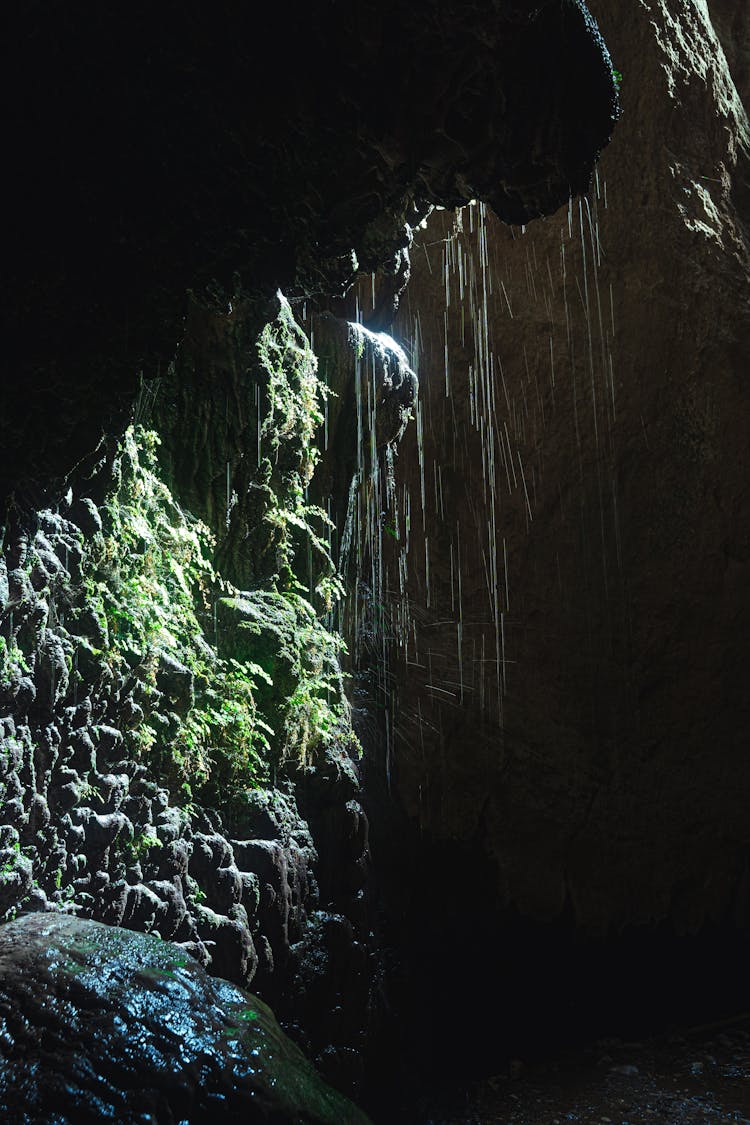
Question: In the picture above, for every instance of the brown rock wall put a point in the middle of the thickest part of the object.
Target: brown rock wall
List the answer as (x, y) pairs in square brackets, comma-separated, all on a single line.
[(585, 464)]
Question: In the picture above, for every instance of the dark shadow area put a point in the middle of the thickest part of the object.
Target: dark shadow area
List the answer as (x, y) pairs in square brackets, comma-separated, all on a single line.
[(475, 985)]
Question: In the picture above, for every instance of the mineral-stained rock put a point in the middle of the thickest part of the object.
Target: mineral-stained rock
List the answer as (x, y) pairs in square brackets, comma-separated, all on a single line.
[(98, 1023)]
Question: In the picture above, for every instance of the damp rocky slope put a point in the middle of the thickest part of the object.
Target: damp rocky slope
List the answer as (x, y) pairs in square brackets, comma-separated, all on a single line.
[(91, 830)]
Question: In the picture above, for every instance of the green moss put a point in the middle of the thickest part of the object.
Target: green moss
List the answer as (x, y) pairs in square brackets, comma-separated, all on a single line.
[(10, 866), (151, 585), (227, 725), (303, 695), (294, 392), (295, 396), (265, 671), (12, 662), (228, 684)]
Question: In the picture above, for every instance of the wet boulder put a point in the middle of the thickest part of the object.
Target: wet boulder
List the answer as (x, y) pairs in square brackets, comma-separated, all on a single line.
[(167, 1043)]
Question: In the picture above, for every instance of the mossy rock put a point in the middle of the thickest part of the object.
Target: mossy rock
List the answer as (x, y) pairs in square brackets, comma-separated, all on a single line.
[(169, 1043), (262, 628)]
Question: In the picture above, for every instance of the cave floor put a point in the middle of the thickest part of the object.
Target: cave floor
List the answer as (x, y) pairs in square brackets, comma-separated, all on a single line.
[(700, 1076)]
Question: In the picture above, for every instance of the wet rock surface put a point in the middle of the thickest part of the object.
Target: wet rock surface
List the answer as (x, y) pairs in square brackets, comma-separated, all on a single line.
[(89, 829), (373, 391), (99, 1023), (571, 692), (566, 578), (696, 1077)]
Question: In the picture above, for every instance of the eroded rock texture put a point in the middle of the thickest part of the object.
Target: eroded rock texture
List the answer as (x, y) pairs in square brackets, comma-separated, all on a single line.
[(573, 699), (167, 740), (172, 169), (91, 829), (160, 151), (99, 1023)]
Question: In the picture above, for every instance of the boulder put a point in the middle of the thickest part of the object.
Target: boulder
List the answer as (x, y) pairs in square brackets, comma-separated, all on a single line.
[(99, 1023)]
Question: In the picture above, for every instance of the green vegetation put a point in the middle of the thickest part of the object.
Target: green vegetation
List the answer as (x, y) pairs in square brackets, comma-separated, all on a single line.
[(143, 844), (138, 848), (151, 589), (293, 388), (12, 661), (9, 867), (303, 696), (88, 792), (226, 686), (295, 395)]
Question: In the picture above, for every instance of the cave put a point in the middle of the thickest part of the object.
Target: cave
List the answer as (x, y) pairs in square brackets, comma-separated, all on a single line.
[(375, 563)]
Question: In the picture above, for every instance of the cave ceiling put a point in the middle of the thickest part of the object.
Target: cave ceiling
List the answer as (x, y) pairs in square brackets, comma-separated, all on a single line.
[(154, 151)]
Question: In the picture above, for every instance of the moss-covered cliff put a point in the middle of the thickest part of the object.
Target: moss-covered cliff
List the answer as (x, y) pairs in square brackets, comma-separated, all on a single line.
[(156, 717)]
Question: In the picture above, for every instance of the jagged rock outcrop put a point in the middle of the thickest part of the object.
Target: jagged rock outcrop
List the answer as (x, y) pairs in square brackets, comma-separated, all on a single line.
[(372, 394), (89, 1021)]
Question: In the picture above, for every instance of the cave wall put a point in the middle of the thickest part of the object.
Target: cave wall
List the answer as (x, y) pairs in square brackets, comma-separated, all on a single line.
[(176, 754), (191, 149), (170, 173), (574, 708), (579, 455)]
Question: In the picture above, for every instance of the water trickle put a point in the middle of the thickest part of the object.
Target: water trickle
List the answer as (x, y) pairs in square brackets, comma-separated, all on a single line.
[(480, 445)]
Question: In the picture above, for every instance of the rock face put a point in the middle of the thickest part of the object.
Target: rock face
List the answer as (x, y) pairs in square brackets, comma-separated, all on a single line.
[(162, 153), (573, 699), (156, 152), (99, 1023), (157, 722), (91, 827)]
